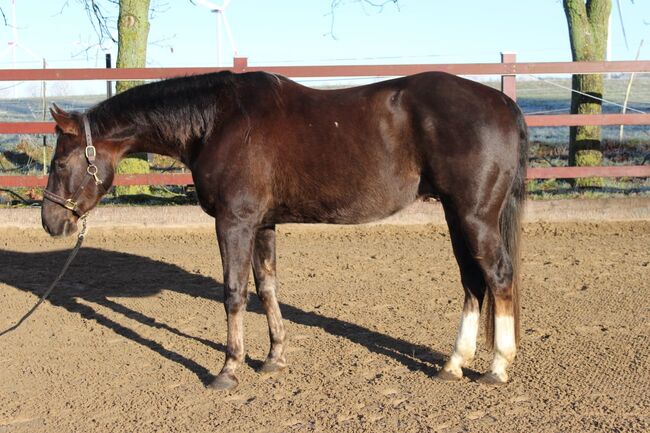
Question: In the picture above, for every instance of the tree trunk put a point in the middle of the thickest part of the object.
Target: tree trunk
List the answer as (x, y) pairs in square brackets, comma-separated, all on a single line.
[(588, 24), (133, 31)]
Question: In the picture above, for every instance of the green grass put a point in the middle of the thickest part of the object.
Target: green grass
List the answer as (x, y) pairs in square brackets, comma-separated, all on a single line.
[(553, 189), (132, 166)]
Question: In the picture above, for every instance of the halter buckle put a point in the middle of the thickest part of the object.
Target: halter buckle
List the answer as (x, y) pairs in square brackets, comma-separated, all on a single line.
[(91, 153), (70, 205)]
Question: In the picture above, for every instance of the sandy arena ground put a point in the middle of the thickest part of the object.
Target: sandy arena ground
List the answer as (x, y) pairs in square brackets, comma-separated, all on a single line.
[(137, 328)]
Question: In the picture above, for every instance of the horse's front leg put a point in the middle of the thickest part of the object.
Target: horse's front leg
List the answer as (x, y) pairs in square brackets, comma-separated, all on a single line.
[(235, 239), (265, 282)]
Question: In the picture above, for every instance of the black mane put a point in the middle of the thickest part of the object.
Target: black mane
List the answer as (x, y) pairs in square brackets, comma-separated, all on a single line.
[(176, 110)]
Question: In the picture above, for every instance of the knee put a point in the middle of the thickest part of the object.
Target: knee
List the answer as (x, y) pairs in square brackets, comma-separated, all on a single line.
[(503, 290), (266, 289), (235, 300)]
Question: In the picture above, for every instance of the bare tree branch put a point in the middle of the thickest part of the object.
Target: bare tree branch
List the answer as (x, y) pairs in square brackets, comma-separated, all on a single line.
[(377, 5), (159, 7), (85, 52), (162, 42), (103, 17), (100, 21)]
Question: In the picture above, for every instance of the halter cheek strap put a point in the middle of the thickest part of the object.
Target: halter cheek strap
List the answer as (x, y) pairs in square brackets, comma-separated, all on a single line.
[(91, 171), (91, 152)]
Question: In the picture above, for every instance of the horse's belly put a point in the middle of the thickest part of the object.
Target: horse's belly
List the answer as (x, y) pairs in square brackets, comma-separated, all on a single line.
[(387, 202), (359, 206)]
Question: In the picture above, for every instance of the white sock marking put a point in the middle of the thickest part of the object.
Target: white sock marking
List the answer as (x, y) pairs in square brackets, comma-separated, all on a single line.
[(465, 346), (504, 345)]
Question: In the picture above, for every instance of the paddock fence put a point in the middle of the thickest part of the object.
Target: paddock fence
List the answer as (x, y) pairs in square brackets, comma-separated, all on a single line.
[(508, 69)]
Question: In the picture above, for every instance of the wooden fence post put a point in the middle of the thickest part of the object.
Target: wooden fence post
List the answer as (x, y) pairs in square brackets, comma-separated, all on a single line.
[(44, 97), (109, 84), (509, 82), (239, 64)]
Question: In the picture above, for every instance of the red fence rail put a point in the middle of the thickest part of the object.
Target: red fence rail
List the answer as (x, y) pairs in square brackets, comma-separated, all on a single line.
[(508, 69), (120, 180), (26, 181), (241, 65)]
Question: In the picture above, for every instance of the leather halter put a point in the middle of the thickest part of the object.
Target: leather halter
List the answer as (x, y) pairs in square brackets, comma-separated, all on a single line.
[(91, 171)]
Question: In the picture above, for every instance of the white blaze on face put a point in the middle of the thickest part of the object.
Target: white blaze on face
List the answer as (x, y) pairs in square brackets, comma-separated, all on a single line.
[(465, 346), (504, 345)]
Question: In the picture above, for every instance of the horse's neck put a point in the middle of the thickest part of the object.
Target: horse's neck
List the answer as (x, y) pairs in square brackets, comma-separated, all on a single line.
[(174, 133), (151, 144), (148, 139)]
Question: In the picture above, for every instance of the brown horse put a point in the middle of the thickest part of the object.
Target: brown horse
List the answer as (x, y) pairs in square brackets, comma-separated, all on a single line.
[(264, 150)]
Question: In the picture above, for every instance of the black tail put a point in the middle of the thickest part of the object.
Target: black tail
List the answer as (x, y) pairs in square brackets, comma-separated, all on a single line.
[(510, 226)]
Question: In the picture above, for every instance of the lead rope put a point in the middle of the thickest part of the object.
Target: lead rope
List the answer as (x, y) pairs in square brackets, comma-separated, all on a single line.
[(71, 257)]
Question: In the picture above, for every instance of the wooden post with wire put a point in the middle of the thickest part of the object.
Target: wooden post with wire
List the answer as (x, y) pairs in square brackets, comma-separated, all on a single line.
[(109, 84), (43, 95), (627, 94), (509, 82)]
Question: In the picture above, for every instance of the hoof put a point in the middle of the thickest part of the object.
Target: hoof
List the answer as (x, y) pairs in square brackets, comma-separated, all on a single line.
[(224, 382), (448, 376), (270, 367), (492, 379)]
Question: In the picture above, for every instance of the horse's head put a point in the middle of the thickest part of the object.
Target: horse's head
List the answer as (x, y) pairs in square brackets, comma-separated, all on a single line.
[(81, 173)]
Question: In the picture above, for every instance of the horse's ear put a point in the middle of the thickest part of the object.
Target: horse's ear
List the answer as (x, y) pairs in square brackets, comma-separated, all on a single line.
[(65, 121)]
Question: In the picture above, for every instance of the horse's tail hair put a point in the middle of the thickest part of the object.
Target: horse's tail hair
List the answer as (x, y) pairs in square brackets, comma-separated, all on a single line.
[(510, 227)]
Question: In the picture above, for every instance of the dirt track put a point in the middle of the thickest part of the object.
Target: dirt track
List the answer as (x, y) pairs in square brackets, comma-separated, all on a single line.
[(136, 329)]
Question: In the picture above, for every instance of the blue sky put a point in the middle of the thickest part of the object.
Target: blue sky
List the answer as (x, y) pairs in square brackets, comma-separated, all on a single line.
[(276, 32)]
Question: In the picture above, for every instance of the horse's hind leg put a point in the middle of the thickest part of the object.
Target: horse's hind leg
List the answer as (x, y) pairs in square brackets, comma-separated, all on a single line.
[(484, 240), (236, 246), (474, 286), (265, 283)]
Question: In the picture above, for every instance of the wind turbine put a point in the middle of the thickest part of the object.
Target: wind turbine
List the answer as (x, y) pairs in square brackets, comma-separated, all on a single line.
[(15, 42), (222, 21)]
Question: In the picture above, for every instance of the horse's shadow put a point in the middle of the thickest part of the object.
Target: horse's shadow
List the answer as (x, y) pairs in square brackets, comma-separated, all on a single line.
[(97, 275)]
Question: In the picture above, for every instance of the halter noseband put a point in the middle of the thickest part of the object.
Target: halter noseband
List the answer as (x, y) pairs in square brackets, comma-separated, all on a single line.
[(91, 154)]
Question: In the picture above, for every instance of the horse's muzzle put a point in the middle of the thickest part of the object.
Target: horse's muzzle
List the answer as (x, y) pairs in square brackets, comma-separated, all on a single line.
[(57, 221)]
